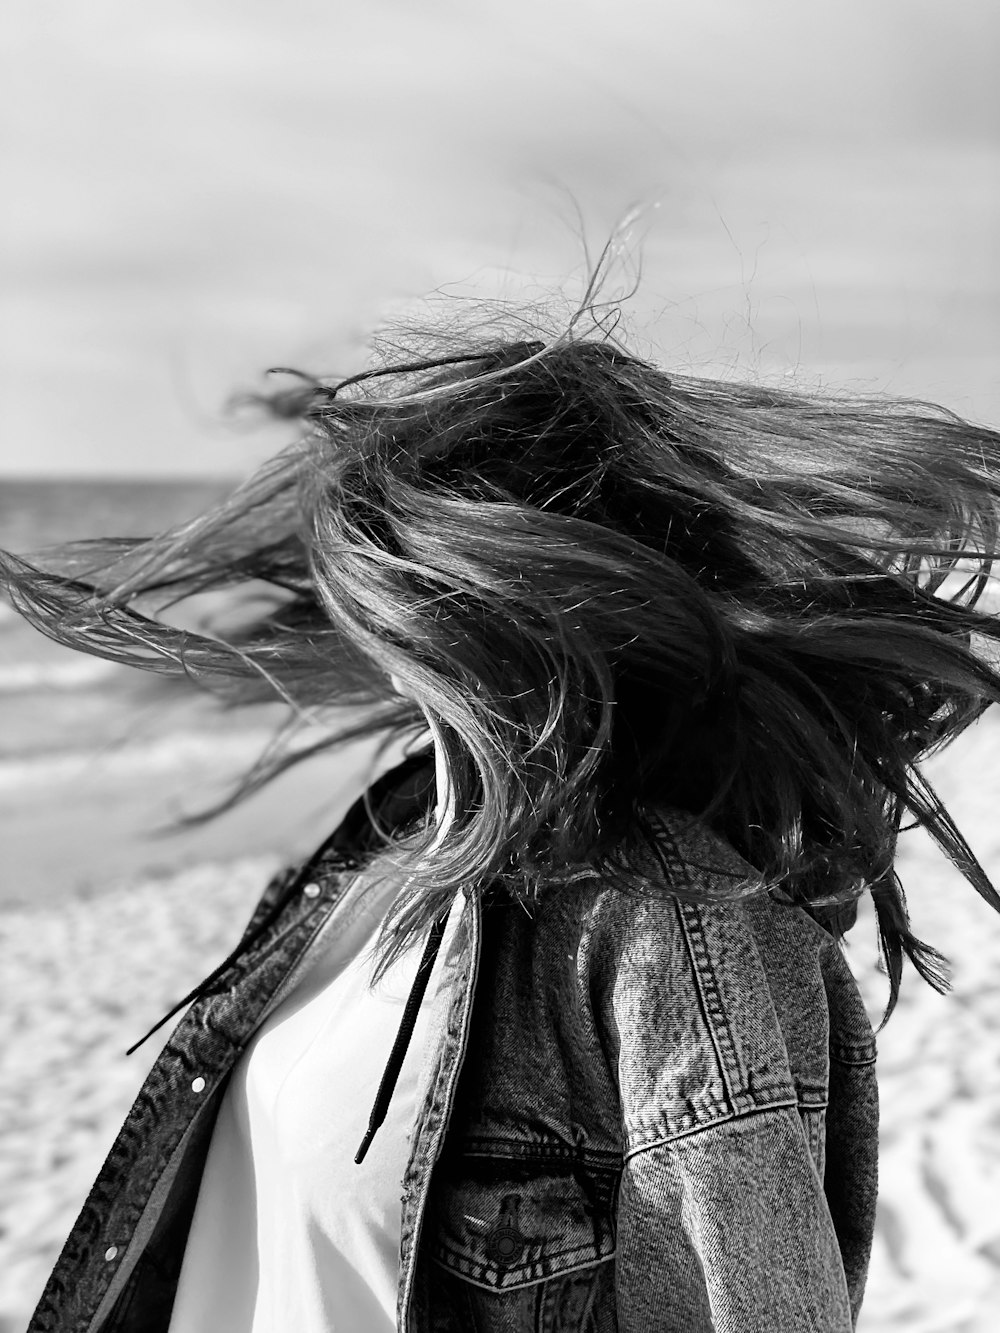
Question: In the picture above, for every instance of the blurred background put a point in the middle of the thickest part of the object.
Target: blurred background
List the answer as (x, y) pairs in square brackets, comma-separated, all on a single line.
[(195, 192)]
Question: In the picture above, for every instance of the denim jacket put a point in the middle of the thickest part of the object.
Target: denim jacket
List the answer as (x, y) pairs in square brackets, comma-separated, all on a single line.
[(639, 1113)]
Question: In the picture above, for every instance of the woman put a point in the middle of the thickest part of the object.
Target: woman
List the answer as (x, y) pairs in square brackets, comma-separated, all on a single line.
[(676, 647)]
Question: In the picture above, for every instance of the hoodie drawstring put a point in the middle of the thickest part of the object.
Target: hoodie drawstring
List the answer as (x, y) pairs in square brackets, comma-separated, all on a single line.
[(407, 1023), (395, 796)]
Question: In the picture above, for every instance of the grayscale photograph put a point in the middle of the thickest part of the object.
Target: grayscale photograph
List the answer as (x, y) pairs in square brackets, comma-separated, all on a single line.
[(499, 655)]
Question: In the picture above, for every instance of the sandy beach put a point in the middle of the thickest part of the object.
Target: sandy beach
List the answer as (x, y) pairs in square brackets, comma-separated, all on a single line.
[(87, 973)]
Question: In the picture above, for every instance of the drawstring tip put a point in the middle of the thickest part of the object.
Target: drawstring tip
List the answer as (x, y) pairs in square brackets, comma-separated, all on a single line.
[(156, 1027), (366, 1143)]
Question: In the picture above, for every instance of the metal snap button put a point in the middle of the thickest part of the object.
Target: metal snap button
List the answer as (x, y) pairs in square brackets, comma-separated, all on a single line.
[(111, 1253), (505, 1241), (198, 1084), (504, 1246), (311, 890)]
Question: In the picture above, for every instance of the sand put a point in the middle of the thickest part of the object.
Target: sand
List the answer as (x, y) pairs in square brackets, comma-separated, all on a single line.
[(84, 979), (86, 975), (936, 1263)]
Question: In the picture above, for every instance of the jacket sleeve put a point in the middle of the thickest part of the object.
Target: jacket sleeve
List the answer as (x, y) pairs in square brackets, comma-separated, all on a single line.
[(726, 1230), (723, 1223)]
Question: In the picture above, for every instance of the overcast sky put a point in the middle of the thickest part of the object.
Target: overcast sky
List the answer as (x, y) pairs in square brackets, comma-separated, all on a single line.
[(197, 189)]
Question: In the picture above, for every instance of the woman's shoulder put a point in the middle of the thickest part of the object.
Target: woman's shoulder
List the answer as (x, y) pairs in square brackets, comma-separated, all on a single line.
[(682, 860), (691, 884)]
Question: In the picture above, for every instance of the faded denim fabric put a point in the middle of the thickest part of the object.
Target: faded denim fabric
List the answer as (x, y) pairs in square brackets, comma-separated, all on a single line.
[(639, 1114)]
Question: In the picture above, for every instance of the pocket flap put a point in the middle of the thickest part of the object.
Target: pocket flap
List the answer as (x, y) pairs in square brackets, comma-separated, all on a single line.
[(503, 1224)]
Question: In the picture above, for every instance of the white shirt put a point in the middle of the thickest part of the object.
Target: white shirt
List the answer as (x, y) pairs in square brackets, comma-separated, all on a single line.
[(288, 1233)]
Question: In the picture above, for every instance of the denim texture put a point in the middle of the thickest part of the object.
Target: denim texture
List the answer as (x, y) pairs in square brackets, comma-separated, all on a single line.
[(638, 1113)]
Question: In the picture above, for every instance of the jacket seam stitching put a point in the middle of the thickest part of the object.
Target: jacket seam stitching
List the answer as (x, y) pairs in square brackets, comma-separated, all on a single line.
[(520, 1285), (512, 1150), (544, 1261), (712, 1124), (691, 926)]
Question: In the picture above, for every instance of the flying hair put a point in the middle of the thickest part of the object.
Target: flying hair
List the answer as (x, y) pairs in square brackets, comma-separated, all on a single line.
[(616, 590)]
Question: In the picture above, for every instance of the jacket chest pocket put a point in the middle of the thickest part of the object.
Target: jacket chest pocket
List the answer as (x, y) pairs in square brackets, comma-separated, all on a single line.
[(524, 1244)]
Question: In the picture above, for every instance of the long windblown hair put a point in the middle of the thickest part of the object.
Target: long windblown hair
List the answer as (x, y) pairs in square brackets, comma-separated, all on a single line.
[(612, 589)]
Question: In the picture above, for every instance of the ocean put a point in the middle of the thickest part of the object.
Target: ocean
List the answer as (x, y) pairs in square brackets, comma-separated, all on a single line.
[(36, 674), (100, 765)]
